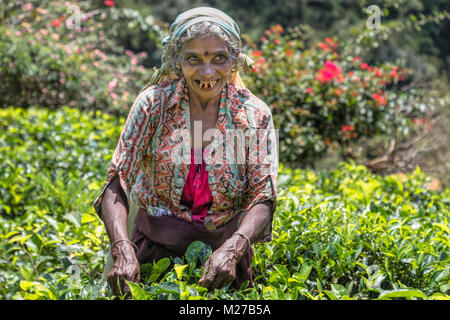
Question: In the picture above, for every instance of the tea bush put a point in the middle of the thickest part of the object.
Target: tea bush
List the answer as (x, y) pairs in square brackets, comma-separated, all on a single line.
[(339, 234)]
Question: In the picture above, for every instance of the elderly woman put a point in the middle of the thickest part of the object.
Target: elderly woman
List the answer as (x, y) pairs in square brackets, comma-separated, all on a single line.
[(168, 184)]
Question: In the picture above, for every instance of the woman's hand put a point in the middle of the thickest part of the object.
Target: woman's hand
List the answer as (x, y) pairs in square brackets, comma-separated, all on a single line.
[(220, 268), (126, 267)]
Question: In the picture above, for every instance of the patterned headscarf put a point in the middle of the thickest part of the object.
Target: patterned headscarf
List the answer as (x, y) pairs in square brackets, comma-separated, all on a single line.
[(191, 17)]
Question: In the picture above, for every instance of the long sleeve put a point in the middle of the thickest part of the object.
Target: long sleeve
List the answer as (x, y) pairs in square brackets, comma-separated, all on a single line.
[(134, 139), (262, 167)]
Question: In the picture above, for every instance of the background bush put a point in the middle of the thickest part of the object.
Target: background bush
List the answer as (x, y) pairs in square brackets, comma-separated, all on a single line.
[(322, 96), (47, 61), (325, 95)]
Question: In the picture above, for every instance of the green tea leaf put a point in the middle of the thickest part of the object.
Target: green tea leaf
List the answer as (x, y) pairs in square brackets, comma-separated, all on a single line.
[(179, 270), (27, 273), (137, 292), (168, 287), (402, 293)]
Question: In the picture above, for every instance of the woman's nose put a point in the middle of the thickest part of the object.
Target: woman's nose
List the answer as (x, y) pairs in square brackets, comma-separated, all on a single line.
[(207, 71)]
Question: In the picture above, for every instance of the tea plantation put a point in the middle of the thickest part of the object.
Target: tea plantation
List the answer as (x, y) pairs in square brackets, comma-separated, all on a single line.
[(340, 234)]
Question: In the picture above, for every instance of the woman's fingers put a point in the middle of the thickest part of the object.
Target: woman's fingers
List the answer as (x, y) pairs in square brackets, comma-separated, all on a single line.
[(205, 271), (137, 277), (215, 277), (112, 280), (116, 280), (217, 281), (123, 285), (209, 278)]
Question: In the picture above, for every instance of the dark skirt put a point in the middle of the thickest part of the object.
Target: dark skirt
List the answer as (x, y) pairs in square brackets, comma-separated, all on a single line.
[(168, 236)]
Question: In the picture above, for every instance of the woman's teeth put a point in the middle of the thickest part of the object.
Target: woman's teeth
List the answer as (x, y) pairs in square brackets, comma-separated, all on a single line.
[(206, 84)]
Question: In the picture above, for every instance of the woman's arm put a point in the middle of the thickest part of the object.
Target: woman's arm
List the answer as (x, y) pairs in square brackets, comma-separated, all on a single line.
[(220, 269), (114, 215)]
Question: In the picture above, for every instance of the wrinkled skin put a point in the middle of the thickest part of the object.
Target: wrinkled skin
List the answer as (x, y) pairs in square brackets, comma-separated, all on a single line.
[(114, 215), (205, 59), (126, 267), (220, 269)]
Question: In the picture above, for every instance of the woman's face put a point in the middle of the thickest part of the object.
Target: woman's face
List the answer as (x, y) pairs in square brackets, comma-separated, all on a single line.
[(206, 65)]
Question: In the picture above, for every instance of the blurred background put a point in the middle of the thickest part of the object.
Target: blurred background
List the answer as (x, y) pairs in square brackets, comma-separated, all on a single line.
[(360, 80)]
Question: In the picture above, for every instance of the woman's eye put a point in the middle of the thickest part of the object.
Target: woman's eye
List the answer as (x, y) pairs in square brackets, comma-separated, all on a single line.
[(193, 59), (220, 58)]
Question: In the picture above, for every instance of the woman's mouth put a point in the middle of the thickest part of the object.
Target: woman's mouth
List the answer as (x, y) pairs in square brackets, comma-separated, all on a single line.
[(205, 85)]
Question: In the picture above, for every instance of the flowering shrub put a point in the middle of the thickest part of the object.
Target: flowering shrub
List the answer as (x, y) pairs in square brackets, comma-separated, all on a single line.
[(322, 100), (50, 59)]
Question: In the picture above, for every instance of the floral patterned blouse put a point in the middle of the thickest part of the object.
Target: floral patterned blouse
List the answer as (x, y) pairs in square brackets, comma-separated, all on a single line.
[(152, 157)]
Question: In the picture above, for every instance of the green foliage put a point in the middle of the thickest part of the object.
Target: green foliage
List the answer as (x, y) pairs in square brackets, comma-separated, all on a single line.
[(51, 165), (47, 60), (322, 99), (45, 152), (339, 234)]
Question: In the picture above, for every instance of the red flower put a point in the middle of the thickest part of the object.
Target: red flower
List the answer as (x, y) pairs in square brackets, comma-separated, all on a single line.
[(109, 3), (261, 60), (329, 72), (380, 98), (263, 39), (377, 72), (280, 28), (394, 73), (327, 141), (344, 129), (289, 53), (309, 90), (356, 58), (56, 23), (364, 65), (337, 91), (276, 41), (323, 46), (277, 29), (331, 42), (420, 121), (257, 53)]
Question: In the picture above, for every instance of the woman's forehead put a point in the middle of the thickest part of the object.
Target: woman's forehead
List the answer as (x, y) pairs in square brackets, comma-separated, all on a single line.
[(205, 46)]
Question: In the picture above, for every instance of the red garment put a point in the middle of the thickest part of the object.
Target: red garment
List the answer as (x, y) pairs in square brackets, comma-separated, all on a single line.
[(197, 194)]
